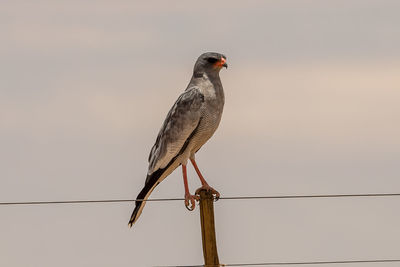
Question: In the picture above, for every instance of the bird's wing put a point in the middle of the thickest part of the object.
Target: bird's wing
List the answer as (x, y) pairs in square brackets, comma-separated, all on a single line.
[(181, 121)]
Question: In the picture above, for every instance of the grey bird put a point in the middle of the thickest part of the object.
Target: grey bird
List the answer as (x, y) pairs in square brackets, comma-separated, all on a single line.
[(191, 121)]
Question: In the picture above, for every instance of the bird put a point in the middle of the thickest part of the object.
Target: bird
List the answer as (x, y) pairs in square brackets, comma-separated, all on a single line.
[(189, 124)]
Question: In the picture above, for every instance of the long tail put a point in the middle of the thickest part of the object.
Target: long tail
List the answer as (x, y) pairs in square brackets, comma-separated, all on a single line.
[(151, 182)]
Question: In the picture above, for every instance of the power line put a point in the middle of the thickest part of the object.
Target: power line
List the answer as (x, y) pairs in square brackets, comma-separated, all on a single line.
[(298, 263), (313, 263), (316, 196), (86, 201), (180, 199)]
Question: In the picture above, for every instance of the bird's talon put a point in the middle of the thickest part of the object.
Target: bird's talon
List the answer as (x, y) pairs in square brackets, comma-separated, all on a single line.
[(189, 208), (192, 199), (208, 188), (197, 193)]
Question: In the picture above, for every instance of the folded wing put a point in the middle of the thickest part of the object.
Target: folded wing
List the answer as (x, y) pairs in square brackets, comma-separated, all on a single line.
[(181, 121), (179, 126)]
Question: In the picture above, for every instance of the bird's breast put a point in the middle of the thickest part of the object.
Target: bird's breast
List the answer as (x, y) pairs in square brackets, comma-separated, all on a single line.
[(210, 119), (211, 113)]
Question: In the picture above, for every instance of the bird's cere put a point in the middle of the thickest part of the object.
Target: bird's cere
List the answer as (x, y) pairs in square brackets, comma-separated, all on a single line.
[(222, 63)]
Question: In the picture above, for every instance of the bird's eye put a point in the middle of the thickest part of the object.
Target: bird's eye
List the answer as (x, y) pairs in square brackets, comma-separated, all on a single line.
[(212, 60)]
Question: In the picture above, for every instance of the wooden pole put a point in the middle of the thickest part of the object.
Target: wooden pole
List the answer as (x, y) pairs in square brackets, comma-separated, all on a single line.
[(208, 229)]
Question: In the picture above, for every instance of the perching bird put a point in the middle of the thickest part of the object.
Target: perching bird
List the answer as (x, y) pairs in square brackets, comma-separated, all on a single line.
[(191, 121)]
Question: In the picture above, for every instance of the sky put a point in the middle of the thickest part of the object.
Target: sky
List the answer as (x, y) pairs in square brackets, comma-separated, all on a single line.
[(312, 107)]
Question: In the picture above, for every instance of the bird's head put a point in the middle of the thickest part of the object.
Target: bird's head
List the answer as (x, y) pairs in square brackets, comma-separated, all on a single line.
[(210, 63)]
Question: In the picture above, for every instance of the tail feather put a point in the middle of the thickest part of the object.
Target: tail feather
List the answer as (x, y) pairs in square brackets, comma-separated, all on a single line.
[(152, 181)]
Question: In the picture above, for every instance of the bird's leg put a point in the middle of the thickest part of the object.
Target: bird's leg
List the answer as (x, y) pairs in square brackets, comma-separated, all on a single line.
[(190, 200), (204, 183)]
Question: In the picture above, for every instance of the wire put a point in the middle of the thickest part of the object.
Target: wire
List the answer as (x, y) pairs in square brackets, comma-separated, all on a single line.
[(86, 201), (316, 196), (313, 263), (298, 263), (234, 198), (179, 199)]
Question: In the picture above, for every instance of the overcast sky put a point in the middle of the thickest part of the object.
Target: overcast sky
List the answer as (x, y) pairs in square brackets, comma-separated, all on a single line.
[(312, 107)]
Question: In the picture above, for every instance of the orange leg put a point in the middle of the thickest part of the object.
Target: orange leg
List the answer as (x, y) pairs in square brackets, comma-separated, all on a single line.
[(204, 182), (190, 200)]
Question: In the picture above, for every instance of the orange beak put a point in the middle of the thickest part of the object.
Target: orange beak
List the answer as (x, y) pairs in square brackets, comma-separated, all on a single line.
[(222, 63)]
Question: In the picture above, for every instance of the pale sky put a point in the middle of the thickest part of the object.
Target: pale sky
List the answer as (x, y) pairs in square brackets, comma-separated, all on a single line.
[(312, 107)]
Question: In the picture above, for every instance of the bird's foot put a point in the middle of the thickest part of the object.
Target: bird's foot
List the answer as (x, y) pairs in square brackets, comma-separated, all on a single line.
[(208, 189), (190, 201)]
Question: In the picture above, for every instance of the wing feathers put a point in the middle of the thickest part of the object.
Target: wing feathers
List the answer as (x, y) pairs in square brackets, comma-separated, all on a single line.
[(181, 120), (174, 136), (152, 181)]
